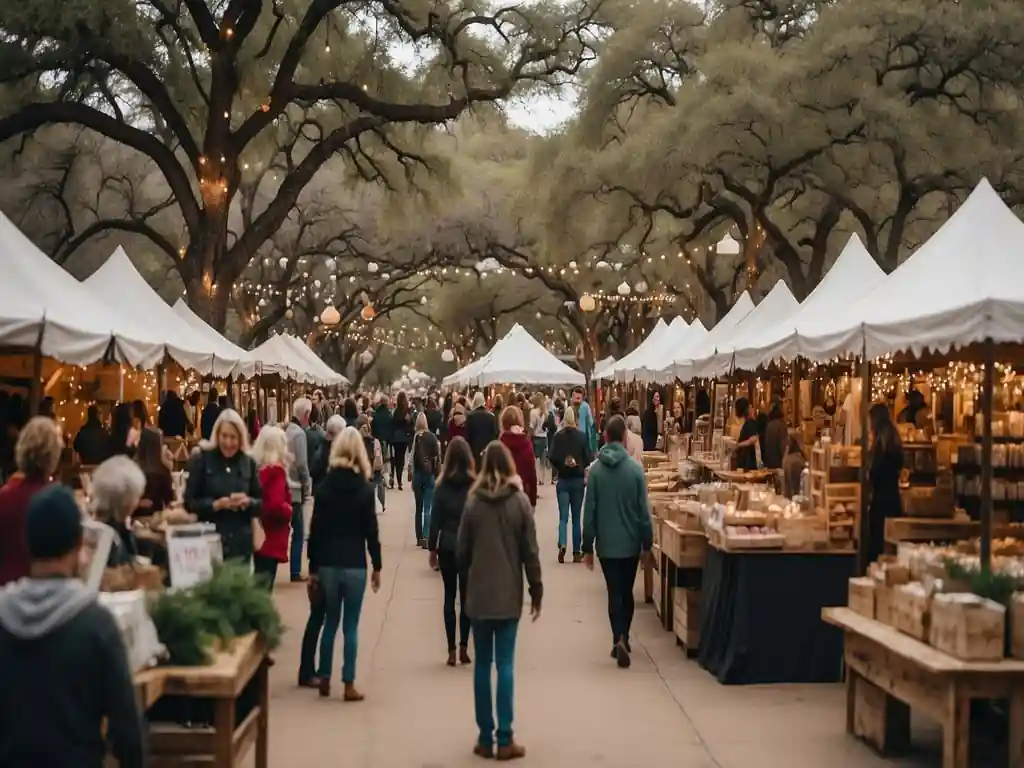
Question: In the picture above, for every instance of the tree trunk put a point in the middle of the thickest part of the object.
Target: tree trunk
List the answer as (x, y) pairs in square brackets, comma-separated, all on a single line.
[(207, 270)]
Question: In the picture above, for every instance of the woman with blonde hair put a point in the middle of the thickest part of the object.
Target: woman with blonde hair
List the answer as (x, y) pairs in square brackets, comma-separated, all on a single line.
[(423, 470), (224, 486), (497, 542), (343, 529), (270, 452), (539, 436), (570, 456)]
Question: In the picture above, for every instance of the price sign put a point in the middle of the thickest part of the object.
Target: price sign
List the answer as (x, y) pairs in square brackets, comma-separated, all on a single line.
[(190, 560)]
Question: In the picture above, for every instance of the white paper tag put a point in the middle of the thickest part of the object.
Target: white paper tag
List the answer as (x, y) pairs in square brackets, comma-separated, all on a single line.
[(190, 560)]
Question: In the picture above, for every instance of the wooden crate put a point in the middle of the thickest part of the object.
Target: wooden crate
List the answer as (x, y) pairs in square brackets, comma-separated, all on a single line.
[(686, 549), (973, 631), (883, 604), (686, 619), (1016, 619), (841, 526), (911, 611), (862, 596), (879, 719)]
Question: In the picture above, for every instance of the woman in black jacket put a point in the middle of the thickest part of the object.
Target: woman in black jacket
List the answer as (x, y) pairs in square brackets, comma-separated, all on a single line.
[(449, 501), (343, 529), (570, 456), (401, 435), (172, 419), (883, 476), (224, 486)]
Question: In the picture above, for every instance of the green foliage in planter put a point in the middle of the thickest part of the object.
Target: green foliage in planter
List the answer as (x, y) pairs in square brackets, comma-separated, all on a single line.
[(997, 587), (183, 626), (240, 604)]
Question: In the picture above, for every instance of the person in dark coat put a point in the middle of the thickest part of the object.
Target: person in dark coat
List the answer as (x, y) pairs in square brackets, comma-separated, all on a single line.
[(172, 420), (224, 486), (92, 443), (210, 414), (481, 427), (883, 476), (402, 431), (519, 444), (776, 438), (570, 456), (652, 422), (435, 419), (449, 502)]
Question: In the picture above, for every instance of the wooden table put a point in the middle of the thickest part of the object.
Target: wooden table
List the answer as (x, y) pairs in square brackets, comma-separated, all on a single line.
[(889, 673), (679, 565), (226, 743)]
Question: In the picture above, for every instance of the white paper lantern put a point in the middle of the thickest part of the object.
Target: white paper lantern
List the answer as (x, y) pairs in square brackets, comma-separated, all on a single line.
[(602, 264), (316, 283), (330, 317), (289, 314), (640, 287), (423, 301), (728, 245), (366, 357), (373, 267), (448, 356), (283, 262), (587, 303), (386, 276), (405, 369), (329, 263), (624, 289)]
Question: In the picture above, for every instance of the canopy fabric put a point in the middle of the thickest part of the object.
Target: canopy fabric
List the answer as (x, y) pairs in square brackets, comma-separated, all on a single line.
[(518, 358), (682, 364), (222, 347), (964, 285), (677, 340), (778, 306), (328, 377), (655, 353), (278, 356), (603, 368), (854, 274), (41, 304), (622, 370)]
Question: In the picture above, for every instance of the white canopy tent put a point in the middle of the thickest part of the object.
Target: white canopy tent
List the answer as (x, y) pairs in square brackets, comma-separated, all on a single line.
[(623, 370), (328, 376), (518, 358), (278, 356), (246, 367), (678, 338), (603, 368), (654, 354), (43, 306), (682, 364), (778, 306), (854, 274), (964, 285), (119, 284)]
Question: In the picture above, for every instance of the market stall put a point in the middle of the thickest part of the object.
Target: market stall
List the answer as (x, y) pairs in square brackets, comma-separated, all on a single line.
[(517, 358)]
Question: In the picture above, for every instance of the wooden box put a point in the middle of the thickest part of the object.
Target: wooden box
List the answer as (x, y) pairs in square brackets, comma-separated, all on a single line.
[(883, 605), (968, 627), (1016, 619), (862, 596), (686, 618), (911, 610)]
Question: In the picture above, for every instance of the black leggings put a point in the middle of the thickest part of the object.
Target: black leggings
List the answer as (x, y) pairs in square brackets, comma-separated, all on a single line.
[(265, 569), (619, 575), (453, 581), (398, 462)]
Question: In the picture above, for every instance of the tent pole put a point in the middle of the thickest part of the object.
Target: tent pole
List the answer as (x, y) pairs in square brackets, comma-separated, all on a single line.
[(35, 390), (987, 396), (864, 524)]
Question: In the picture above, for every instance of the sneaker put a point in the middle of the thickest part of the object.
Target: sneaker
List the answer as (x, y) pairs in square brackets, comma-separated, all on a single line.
[(511, 751)]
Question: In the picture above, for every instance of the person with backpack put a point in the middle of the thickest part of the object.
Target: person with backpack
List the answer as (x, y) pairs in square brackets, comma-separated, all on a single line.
[(423, 470)]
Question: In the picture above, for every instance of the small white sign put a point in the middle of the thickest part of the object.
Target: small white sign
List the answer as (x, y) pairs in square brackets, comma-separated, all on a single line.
[(190, 560)]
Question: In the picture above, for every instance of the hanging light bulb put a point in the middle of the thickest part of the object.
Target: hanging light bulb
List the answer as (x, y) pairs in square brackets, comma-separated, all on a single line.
[(423, 301), (448, 356), (330, 316), (587, 303), (283, 262)]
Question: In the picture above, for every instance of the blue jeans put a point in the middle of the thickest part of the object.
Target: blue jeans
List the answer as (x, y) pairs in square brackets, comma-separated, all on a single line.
[(298, 539), (423, 491), (343, 589), (495, 643), (569, 491)]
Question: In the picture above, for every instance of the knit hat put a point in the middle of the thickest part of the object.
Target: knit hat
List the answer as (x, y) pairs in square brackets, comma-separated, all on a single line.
[(54, 523)]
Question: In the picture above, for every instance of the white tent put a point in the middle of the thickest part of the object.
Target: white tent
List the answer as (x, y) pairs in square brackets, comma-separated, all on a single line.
[(623, 370), (682, 363), (854, 274), (222, 348), (603, 368), (778, 306), (42, 305), (678, 339), (327, 376), (278, 356), (964, 285), (518, 358), (655, 353), (118, 284)]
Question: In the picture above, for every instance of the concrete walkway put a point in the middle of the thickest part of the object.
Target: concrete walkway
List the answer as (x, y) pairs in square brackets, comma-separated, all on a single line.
[(573, 706)]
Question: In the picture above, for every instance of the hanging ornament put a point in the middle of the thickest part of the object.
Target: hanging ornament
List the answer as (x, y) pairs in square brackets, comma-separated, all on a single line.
[(283, 262), (366, 358), (572, 265), (333, 278), (624, 289), (289, 314), (423, 301), (373, 267), (587, 303), (405, 369), (352, 279), (329, 263), (641, 286), (261, 303), (330, 316), (386, 276), (448, 356), (316, 283), (368, 313), (602, 264)]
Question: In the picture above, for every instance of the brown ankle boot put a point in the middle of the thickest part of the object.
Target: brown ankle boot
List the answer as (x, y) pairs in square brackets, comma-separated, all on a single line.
[(451, 658), (351, 694), (464, 655), (511, 751), (324, 684), (485, 752), (577, 557)]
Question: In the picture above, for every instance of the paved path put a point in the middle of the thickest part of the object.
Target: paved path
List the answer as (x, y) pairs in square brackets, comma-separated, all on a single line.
[(573, 706)]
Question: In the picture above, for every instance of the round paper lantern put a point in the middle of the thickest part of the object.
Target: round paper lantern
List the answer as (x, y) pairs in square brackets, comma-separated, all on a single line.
[(368, 313), (624, 289), (423, 301), (602, 264), (283, 262), (329, 263), (405, 369), (373, 267), (448, 356), (366, 357), (289, 314), (330, 316), (587, 303), (641, 286)]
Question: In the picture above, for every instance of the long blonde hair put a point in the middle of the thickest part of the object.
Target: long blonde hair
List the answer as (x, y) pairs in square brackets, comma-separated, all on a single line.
[(349, 452), (228, 418), (497, 469), (271, 447)]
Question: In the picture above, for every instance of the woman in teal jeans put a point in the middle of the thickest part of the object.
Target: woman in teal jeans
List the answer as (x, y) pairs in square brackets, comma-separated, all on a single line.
[(343, 529), (570, 456), (497, 543)]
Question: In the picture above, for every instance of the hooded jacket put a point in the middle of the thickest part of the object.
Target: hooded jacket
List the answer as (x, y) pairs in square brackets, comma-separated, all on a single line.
[(481, 429), (615, 510), (344, 524), (520, 445), (64, 669), (497, 543)]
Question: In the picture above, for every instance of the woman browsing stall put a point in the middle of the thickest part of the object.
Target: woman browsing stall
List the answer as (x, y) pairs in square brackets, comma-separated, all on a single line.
[(271, 456)]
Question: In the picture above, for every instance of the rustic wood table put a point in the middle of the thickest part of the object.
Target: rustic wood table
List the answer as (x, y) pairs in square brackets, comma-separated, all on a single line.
[(889, 673), (227, 742)]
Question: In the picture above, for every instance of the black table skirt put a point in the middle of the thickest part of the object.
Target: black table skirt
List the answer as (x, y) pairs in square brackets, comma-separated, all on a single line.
[(761, 617)]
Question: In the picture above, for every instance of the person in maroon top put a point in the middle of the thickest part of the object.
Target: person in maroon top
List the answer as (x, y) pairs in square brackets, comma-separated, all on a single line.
[(37, 454), (270, 453), (519, 444), (155, 462), (457, 423)]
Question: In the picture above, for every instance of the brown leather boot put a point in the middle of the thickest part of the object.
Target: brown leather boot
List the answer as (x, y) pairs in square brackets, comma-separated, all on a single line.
[(511, 751), (324, 684), (485, 752), (451, 658), (464, 655), (351, 694)]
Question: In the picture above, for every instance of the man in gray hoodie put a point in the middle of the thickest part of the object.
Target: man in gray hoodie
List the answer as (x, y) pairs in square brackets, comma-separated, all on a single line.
[(299, 479), (63, 665)]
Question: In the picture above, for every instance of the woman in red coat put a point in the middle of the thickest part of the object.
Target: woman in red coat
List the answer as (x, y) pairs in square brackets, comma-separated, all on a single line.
[(520, 445), (271, 455)]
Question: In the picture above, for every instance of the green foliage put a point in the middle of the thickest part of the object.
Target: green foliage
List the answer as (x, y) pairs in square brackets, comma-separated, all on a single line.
[(183, 626), (998, 587)]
